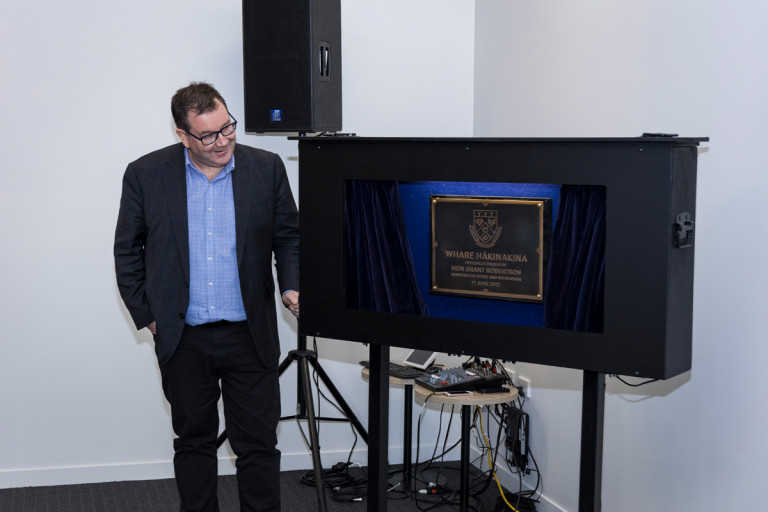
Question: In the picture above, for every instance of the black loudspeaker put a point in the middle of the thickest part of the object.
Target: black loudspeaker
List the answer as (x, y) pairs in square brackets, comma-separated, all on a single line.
[(292, 65)]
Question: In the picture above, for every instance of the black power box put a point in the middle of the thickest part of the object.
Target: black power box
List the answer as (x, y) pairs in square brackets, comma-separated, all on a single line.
[(516, 428)]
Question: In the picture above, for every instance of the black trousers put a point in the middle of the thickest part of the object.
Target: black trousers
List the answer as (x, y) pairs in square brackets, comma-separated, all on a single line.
[(220, 360)]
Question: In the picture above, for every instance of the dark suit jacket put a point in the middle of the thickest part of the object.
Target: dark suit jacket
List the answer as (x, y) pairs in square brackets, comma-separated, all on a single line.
[(152, 243)]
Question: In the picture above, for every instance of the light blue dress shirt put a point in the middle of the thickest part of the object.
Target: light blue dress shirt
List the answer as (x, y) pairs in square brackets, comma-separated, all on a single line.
[(214, 283)]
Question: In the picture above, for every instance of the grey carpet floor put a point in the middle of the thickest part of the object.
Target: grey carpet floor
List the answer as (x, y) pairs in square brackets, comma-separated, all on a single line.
[(161, 496)]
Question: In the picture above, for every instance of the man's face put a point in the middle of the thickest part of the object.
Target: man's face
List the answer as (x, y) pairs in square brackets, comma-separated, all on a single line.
[(213, 158)]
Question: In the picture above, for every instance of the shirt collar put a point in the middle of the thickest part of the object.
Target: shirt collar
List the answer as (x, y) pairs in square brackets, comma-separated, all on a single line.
[(227, 168)]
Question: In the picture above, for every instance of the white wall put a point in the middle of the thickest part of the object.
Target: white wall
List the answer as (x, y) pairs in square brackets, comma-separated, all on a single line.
[(86, 88), (621, 68)]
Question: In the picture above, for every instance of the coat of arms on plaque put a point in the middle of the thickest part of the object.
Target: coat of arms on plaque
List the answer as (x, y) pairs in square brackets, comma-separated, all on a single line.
[(485, 228)]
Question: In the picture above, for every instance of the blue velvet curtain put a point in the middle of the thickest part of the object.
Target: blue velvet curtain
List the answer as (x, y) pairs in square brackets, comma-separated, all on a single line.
[(380, 274), (575, 291)]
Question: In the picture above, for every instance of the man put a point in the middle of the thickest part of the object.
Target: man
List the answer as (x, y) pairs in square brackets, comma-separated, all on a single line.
[(198, 226)]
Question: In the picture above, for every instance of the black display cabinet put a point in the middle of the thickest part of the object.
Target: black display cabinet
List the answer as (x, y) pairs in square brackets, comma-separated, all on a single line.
[(616, 245)]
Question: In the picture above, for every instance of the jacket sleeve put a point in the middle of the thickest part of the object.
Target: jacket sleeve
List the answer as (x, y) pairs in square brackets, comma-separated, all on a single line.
[(130, 237), (285, 231)]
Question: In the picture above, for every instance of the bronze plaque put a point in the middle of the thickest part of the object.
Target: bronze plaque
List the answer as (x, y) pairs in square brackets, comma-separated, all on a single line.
[(489, 247)]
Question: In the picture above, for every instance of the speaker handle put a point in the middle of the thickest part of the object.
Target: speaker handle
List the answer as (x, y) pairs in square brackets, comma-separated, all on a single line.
[(325, 61)]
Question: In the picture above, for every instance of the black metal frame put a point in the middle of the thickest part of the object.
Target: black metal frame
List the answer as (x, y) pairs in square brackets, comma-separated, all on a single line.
[(378, 422), (649, 182), (592, 421)]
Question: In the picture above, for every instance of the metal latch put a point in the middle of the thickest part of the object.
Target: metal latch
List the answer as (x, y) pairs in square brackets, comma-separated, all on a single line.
[(683, 230)]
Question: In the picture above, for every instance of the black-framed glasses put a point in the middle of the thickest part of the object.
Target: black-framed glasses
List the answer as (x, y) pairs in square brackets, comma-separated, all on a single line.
[(211, 138)]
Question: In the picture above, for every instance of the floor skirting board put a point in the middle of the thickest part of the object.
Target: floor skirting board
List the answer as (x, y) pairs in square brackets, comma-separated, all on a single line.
[(154, 470)]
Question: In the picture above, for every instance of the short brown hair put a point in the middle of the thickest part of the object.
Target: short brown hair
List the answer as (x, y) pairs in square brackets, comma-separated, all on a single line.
[(197, 97)]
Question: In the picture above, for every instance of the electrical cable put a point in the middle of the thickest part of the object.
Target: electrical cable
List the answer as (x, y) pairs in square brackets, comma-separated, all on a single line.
[(495, 452), (445, 442), (501, 490), (335, 406), (437, 437), (434, 457), (445, 495), (536, 489), (498, 364), (485, 475), (636, 385), (340, 411), (344, 487), (418, 433), (525, 500)]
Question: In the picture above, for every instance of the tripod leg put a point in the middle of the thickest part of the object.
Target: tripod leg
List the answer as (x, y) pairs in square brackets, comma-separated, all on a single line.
[(339, 399), (286, 362), (301, 404), (313, 438)]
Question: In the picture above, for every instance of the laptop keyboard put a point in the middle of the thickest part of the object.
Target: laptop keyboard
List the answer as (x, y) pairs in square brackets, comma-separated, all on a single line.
[(400, 371)]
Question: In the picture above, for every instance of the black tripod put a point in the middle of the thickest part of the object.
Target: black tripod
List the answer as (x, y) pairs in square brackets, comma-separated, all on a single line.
[(305, 408)]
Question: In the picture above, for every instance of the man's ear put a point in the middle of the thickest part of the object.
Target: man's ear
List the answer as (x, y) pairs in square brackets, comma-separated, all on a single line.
[(183, 136)]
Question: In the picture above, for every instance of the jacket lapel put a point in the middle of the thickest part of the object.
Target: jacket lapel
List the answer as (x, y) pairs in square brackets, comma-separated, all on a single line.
[(175, 178), (242, 183)]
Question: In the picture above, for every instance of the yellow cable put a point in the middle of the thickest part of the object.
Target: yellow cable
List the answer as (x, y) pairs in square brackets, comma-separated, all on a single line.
[(490, 461)]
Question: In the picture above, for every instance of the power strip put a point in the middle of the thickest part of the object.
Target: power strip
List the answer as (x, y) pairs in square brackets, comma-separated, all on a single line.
[(516, 427)]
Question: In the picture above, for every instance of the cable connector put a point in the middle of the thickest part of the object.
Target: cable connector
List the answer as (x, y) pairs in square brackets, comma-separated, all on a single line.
[(435, 490)]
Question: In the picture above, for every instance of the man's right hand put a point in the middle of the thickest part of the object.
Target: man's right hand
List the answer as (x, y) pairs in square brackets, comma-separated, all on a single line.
[(152, 327)]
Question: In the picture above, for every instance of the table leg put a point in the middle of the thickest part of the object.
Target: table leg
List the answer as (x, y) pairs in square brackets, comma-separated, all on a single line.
[(407, 423), (466, 413)]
